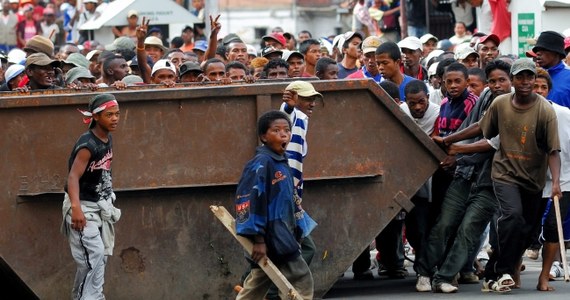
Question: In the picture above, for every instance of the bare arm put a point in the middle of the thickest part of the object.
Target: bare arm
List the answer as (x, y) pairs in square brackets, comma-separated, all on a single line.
[(470, 132), (479, 146), (141, 52), (77, 168), (213, 42), (403, 20), (554, 166)]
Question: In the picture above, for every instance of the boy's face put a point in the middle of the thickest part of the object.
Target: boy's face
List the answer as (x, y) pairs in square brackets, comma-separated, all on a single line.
[(307, 104), (387, 66), (471, 61), (541, 87), (476, 86), (163, 75), (523, 83), (108, 119), (296, 66), (236, 73), (313, 54), (216, 71), (331, 72), (499, 82), (352, 49), (418, 104), (277, 136), (275, 73), (455, 83)]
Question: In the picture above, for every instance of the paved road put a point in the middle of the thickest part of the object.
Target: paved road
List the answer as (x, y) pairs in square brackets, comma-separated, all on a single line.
[(347, 288)]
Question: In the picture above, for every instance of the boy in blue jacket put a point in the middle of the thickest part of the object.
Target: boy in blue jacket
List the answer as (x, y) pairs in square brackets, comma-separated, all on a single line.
[(265, 211)]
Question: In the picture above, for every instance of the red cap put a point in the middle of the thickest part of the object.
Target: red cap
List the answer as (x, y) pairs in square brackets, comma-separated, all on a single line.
[(530, 54), (277, 36), (567, 43), (491, 37)]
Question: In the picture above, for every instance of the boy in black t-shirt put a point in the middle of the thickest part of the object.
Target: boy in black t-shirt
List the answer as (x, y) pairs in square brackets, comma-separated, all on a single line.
[(88, 211)]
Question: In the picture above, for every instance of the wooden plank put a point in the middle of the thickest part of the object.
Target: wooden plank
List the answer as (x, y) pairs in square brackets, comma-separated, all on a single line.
[(265, 263)]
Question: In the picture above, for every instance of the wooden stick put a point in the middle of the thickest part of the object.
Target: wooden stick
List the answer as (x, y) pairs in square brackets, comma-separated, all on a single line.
[(561, 238), (51, 33), (265, 263)]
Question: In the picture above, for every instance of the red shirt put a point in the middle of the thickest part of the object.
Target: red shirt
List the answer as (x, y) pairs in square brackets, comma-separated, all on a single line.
[(501, 19)]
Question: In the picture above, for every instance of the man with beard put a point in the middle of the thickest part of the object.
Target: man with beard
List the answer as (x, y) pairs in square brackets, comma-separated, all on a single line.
[(469, 203), (369, 68), (412, 49)]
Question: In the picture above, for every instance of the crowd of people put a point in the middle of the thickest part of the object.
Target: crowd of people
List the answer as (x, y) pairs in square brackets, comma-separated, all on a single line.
[(503, 121)]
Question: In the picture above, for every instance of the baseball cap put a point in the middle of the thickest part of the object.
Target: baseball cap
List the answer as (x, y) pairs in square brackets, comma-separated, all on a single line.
[(276, 36), (189, 66), (40, 59), (92, 54), (122, 42), (16, 56), (370, 44), (132, 80), (303, 89), (40, 43), (338, 41), (463, 50), (530, 54), (349, 35), (251, 50), (132, 13), (523, 64), (76, 73), (270, 50), (231, 37), (90, 1), (201, 45), (154, 41), (432, 69), (287, 54), (411, 42), (13, 71), (434, 53), (444, 45), (153, 30), (162, 64), (428, 36), (491, 37), (78, 60)]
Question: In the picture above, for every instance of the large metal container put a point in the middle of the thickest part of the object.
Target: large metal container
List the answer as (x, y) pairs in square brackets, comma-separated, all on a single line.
[(177, 152)]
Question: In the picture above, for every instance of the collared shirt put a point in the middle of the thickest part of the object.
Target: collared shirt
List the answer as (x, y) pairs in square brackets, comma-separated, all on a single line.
[(363, 73)]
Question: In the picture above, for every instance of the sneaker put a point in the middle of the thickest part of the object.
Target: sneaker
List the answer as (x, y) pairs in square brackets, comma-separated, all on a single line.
[(445, 287), (468, 278), (556, 271), (366, 275), (423, 284), (532, 253)]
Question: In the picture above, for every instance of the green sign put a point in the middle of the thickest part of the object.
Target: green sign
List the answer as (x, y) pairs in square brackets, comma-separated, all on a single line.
[(526, 30)]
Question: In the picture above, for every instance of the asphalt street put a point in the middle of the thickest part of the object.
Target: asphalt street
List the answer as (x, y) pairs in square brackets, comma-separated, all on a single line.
[(382, 288)]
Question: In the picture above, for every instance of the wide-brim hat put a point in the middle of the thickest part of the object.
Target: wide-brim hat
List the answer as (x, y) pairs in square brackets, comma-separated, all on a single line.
[(550, 41), (41, 59), (154, 41), (41, 44)]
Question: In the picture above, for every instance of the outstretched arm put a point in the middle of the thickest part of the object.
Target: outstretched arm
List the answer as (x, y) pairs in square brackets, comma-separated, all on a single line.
[(213, 42)]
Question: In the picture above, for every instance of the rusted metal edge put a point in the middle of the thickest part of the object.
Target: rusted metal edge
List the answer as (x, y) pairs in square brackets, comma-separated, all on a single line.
[(173, 187)]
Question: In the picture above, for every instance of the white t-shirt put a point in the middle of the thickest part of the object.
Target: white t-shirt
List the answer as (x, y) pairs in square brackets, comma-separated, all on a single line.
[(563, 116)]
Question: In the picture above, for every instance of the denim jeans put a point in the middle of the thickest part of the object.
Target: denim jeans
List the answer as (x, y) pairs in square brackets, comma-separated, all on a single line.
[(465, 212)]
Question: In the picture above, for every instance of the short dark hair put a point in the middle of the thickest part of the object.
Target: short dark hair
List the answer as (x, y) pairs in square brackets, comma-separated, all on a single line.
[(275, 63), (391, 49), (170, 51), (264, 122), (323, 63), (304, 46), (209, 62), (442, 65), (391, 89), (497, 64), (479, 73), (177, 42), (415, 86), (457, 67), (236, 65), (221, 50), (307, 32)]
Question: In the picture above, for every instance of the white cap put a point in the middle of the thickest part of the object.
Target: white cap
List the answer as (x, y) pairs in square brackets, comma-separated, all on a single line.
[(90, 1), (13, 71), (16, 56), (434, 53), (132, 12), (325, 43), (338, 41), (463, 50), (92, 53), (432, 69), (163, 64), (428, 36), (251, 50), (411, 42)]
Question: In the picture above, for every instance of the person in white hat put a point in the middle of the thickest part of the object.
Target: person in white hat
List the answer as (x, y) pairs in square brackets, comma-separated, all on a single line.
[(412, 49), (164, 72), (13, 75)]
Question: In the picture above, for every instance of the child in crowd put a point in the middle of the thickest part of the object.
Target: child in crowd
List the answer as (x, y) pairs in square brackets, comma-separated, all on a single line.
[(265, 211)]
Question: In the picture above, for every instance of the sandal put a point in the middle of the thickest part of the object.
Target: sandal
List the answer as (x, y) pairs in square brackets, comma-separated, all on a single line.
[(494, 286), (506, 280)]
